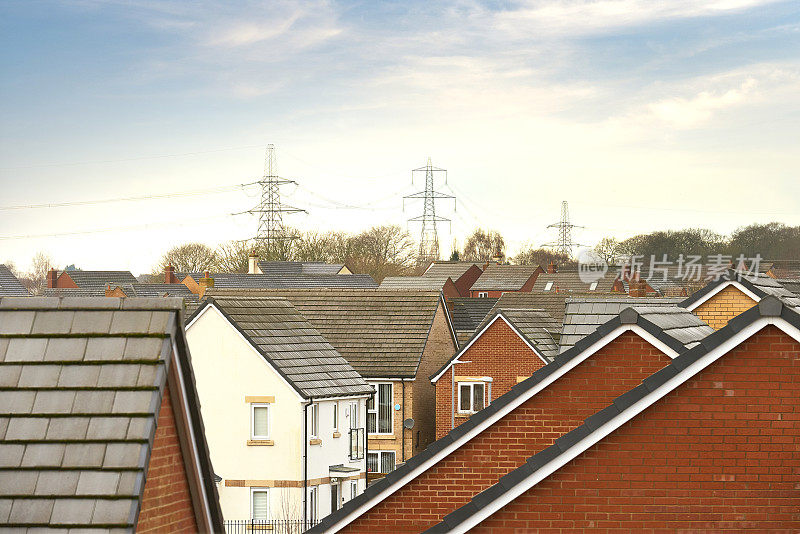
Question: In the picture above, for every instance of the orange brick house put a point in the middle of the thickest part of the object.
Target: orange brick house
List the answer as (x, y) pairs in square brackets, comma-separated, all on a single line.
[(732, 294), (101, 427), (528, 419), (498, 357)]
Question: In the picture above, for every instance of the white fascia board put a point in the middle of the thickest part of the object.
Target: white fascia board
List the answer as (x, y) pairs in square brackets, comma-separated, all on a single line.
[(376, 380), (522, 398), (342, 397), (202, 312), (710, 294), (255, 350), (625, 416)]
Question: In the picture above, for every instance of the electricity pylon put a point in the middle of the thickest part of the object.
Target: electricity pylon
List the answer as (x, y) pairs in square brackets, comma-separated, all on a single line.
[(429, 238), (564, 245)]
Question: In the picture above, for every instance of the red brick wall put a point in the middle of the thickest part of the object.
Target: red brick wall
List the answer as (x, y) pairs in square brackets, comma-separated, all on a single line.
[(718, 454), (499, 353), (166, 505), (64, 281), (466, 280), (562, 406)]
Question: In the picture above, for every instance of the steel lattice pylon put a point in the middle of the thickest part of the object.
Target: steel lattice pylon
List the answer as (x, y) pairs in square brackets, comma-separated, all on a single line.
[(564, 245), (429, 239), (270, 210)]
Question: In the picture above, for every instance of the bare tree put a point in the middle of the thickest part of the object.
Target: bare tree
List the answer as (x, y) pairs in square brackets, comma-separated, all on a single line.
[(382, 251), (36, 279), (484, 246), (607, 250), (543, 257), (189, 258)]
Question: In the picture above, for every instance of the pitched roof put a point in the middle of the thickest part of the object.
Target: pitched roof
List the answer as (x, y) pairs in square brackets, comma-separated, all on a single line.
[(381, 333), (758, 285), (499, 407), (74, 292), (290, 344), (503, 277), (581, 438), (552, 303), (452, 269), (570, 281), (431, 283), (9, 285), (81, 386), (157, 290), (792, 284), (467, 314), (273, 281), (98, 279), (583, 315), (299, 267)]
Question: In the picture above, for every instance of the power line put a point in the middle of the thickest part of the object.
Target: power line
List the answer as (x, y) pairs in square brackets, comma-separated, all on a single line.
[(196, 192), (429, 238), (564, 245)]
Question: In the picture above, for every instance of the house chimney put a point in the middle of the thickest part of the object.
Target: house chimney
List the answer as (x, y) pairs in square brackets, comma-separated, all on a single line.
[(169, 275), (205, 283), (252, 263), (551, 268), (637, 288), (52, 278)]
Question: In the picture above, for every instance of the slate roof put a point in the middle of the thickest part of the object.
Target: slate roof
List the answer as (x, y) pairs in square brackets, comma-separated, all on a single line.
[(431, 283), (445, 269), (81, 385), (99, 279), (503, 277), (299, 267), (9, 285), (291, 345), (74, 292), (629, 316), (552, 303), (467, 314), (768, 307), (583, 315), (380, 333), (759, 284), (272, 281), (792, 284), (570, 281)]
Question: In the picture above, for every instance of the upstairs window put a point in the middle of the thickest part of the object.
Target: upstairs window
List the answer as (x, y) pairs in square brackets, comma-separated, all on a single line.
[(259, 421), (483, 294), (259, 504), (470, 396), (335, 416), (314, 430), (379, 410)]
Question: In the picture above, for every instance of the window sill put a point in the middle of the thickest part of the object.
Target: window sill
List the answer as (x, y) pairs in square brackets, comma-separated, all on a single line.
[(259, 528), (260, 442), (381, 436), (465, 414), (315, 441), (337, 434)]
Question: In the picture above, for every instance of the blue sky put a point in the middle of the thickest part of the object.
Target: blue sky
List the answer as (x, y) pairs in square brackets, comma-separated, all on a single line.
[(642, 114)]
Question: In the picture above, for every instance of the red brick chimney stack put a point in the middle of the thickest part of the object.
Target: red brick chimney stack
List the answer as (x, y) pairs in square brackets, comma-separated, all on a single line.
[(551, 268), (169, 275), (52, 278)]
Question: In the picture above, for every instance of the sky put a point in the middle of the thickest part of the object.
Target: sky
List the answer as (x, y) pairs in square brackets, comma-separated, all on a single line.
[(643, 115)]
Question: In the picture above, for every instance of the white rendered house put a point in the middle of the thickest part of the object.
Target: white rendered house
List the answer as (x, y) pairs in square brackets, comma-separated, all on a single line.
[(284, 413)]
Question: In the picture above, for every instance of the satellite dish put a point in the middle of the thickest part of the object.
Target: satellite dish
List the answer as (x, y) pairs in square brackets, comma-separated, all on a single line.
[(408, 423)]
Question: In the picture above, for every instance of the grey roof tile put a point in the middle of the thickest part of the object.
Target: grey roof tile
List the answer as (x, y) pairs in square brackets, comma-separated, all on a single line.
[(109, 511), (9, 377), (74, 511), (91, 402), (123, 454), (105, 348), (48, 401), (5, 509), (14, 322), (96, 482), (84, 454), (143, 348), (126, 322), (16, 482), (11, 454), (27, 428), (103, 428), (84, 376), (65, 349), (10, 286), (92, 322), (17, 401), (43, 455), (140, 427), (134, 401), (67, 428), (39, 376), (113, 375), (53, 322), (57, 483), (26, 349), (504, 277), (31, 511)]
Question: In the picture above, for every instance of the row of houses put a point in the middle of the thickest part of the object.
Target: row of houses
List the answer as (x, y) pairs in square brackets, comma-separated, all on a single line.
[(316, 402)]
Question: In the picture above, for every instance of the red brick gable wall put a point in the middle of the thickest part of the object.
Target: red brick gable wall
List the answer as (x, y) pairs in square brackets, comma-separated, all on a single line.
[(65, 281), (499, 353), (166, 505), (562, 406), (718, 454)]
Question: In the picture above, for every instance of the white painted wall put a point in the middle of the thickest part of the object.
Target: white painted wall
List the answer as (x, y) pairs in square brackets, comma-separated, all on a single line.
[(227, 369)]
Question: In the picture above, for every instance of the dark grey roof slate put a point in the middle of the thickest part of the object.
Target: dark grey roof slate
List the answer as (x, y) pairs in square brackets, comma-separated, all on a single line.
[(380, 333), (292, 281), (431, 283), (519, 389), (769, 306), (451, 269), (759, 284), (792, 284), (98, 279), (467, 314), (503, 277), (74, 292), (81, 383), (10, 286), (571, 282), (300, 267), (583, 315), (295, 348)]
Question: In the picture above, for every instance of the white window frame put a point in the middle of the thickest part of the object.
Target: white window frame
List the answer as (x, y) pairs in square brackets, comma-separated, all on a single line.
[(353, 489), (375, 409), (335, 416), (313, 504), (252, 503), (352, 415), (380, 454), (313, 425), (253, 406), (483, 294), (471, 396), (593, 286), (548, 286)]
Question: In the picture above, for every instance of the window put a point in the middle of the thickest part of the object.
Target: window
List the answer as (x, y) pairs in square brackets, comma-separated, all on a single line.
[(470, 396), (380, 462), (313, 505), (335, 416), (335, 499), (548, 286), (353, 489), (259, 504), (352, 414), (356, 434), (314, 420), (593, 286), (483, 294), (379, 418), (259, 421)]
